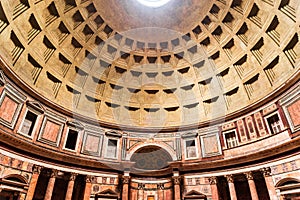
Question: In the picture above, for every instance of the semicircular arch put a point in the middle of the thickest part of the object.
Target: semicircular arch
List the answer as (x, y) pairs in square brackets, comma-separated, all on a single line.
[(164, 146)]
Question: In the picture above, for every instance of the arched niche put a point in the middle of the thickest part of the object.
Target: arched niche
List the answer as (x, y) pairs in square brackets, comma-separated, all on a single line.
[(151, 157), (15, 178), (289, 188), (162, 145), (287, 181)]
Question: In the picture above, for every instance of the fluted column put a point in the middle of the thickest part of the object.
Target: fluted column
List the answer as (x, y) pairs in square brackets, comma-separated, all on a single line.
[(176, 180), (88, 187), (160, 191), (252, 186), (269, 183), (34, 179), (125, 189), (231, 187), (214, 188), (141, 188), (70, 186), (51, 183)]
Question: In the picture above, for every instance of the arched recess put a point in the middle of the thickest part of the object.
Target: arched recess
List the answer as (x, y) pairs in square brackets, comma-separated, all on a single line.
[(289, 188), (16, 178), (13, 186), (158, 144), (287, 181), (151, 157)]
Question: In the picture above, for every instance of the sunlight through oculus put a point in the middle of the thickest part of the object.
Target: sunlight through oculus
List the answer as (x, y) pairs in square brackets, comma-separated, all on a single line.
[(153, 3)]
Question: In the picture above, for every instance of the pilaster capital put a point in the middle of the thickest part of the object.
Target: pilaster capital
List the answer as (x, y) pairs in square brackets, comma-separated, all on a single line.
[(73, 176), (160, 186), (176, 180), (213, 180), (89, 178), (141, 186), (266, 171), (36, 169), (249, 175), (125, 179), (229, 178)]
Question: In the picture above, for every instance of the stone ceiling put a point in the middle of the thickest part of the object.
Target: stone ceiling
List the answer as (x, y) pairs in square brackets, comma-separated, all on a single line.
[(182, 64)]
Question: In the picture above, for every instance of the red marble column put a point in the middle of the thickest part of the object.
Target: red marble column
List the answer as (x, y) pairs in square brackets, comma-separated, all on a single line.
[(70, 186), (160, 191), (125, 188), (168, 194), (214, 188), (133, 194), (176, 180), (88, 187), (141, 188), (231, 187), (252, 186), (50, 186), (269, 183), (35, 176)]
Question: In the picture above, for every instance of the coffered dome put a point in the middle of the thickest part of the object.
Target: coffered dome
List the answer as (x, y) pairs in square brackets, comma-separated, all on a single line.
[(122, 63)]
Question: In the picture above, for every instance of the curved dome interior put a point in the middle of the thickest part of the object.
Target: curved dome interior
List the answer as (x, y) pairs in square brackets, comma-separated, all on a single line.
[(121, 63)]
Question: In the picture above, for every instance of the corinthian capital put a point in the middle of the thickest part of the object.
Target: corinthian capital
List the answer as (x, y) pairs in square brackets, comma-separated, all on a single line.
[(73, 176), (249, 175), (176, 180), (266, 171), (54, 173), (36, 169), (125, 179), (89, 178), (212, 180), (229, 178)]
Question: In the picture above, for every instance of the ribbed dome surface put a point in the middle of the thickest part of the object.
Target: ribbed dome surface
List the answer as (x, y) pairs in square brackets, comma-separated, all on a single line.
[(184, 63)]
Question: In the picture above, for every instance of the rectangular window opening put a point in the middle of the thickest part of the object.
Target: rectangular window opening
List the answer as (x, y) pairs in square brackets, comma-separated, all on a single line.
[(29, 123), (231, 140), (190, 148), (71, 140), (274, 123), (112, 148)]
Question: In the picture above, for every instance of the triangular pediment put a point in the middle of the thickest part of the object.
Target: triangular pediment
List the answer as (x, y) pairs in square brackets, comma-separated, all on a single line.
[(107, 193), (113, 134), (37, 106), (194, 193), (75, 124), (189, 135)]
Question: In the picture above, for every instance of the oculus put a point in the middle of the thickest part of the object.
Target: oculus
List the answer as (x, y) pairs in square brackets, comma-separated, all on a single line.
[(153, 3)]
